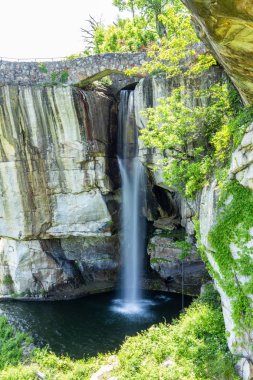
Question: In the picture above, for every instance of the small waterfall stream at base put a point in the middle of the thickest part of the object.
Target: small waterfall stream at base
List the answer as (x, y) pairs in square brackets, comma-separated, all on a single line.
[(133, 198)]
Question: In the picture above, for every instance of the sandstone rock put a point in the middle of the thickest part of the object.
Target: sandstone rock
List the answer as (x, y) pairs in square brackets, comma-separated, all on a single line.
[(82, 214), (167, 260), (167, 223), (245, 369), (188, 209), (227, 28), (207, 211), (53, 162), (28, 267), (242, 160), (239, 345), (56, 143), (56, 266)]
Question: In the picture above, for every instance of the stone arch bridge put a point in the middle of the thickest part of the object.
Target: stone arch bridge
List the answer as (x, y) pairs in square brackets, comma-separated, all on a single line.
[(72, 72)]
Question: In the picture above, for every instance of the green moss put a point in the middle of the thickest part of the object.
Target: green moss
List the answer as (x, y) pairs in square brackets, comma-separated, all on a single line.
[(158, 260), (175, 234), (42, 68), (233, 224), (151, 246), (186, 247), (59, 77), (7, 280)]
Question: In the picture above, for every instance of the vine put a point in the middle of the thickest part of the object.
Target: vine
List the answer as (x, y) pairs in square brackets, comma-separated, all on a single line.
[(233, 227)]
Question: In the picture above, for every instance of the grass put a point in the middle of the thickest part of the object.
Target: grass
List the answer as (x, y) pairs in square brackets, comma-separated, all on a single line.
[(193, 347), (12, 344)]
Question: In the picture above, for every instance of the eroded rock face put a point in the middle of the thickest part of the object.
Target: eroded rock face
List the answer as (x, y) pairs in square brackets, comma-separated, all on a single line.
[(54, 159), (58, 268), (25, 267), (240, 345), (147, 94), (182, 271), (227, 27), (58, 203), (242, 160), (164, 254), (55, 181)]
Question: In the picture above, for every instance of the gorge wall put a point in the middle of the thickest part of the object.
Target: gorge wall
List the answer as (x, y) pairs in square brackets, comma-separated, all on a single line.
[(60, 193), (56, 184), (227, 28), (60, 196)]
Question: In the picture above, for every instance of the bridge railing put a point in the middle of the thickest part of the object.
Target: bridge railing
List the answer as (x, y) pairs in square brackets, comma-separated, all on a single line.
[(33, 59)]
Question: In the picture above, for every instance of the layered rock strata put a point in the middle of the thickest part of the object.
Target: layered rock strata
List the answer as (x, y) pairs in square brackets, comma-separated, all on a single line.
[(227, 28), (56, 189)]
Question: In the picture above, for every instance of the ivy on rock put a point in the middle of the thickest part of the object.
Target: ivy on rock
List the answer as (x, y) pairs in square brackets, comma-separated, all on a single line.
[(231, 237)]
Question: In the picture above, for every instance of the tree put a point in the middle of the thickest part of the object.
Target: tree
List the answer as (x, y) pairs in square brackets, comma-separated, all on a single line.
[(124, 36), (128, 5), (151, 9)]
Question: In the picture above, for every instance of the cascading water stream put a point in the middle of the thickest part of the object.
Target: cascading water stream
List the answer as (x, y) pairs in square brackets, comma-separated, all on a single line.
[(133, 196)]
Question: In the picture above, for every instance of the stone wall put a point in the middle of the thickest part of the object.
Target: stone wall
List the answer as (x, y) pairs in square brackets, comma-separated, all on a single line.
[(77, 71)]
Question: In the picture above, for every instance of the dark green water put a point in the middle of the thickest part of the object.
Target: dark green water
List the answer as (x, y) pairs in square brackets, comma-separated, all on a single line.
[(91, 324)]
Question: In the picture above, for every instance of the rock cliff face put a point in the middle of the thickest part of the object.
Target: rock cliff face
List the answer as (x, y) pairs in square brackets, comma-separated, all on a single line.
[(59, 199), (240, 248), (56, 188), (227, 27), (177, 214)]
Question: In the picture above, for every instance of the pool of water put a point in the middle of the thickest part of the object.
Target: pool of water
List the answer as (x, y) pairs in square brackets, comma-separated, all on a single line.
[(92, 324)]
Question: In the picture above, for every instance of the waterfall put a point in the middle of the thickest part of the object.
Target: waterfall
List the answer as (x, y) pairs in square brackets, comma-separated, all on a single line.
[(133, 191)]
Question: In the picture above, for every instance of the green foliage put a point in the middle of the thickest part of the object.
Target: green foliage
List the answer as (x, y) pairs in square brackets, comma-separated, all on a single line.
[(145, 6), (210, 296), (232, 227), (186, 247), (124, 36), (191, 348), (7, 280), (64, 76), (59, 77), (12, 344), (152, 10), (42, 68), (197, 132), (189, 135), (77, 55), (174, 53), (54, 367)]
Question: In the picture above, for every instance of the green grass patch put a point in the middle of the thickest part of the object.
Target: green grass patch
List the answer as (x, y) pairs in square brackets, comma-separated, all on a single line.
[(12, 344)]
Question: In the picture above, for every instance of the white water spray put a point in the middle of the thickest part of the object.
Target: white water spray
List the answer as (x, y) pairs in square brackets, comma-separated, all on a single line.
[(133, 197)]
